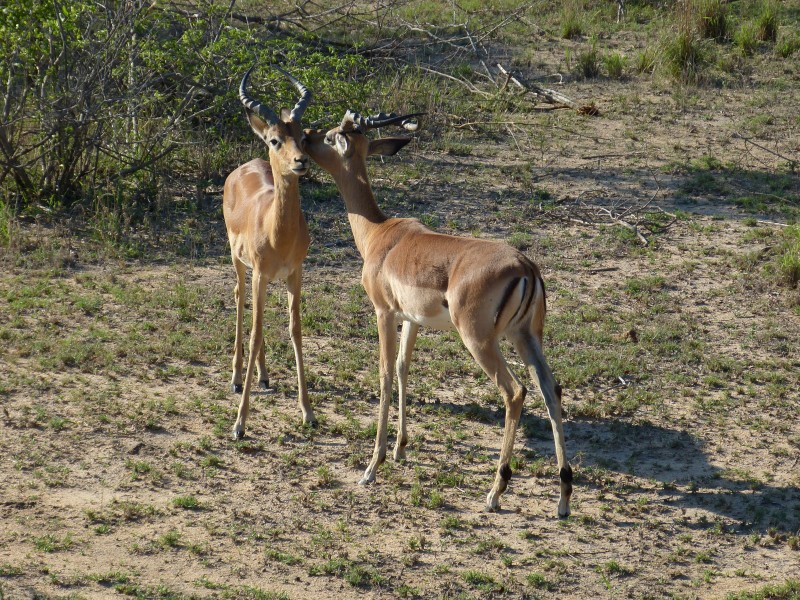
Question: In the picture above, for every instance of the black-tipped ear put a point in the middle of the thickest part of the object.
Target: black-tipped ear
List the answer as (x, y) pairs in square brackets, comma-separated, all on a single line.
[(387, 146), (259, 127)]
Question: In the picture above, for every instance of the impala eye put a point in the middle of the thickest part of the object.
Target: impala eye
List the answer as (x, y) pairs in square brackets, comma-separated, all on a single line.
[(275, 143)]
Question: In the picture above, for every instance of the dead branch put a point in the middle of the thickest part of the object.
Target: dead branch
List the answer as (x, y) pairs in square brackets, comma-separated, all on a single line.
[(772, 223), (463, 82), (145, 164), (793, 163), (549, 95), (636, 216)]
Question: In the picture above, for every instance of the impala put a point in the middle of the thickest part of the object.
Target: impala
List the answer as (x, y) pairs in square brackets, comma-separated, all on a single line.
[(268, 234), (484, 289)]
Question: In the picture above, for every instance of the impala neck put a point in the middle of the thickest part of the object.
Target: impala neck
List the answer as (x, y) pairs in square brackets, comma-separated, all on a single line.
[(286, 203), (362, 209)]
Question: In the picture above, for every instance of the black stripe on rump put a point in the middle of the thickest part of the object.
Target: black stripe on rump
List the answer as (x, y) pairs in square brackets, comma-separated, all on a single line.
[(530, 298), (509, 290)]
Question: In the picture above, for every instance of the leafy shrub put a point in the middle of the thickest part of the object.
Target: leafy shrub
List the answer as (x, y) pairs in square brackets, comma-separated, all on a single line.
[(92, 104)]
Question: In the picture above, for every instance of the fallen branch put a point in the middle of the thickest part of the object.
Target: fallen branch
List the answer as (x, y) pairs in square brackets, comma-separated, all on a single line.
[(463, 82), (793, 163), (551, 96)]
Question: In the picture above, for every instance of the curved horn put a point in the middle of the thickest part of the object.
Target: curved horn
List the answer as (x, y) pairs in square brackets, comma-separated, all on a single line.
[(262, 111), (305, 96), (380, 120)]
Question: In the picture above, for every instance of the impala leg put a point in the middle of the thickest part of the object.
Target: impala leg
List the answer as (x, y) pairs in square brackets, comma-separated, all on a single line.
[(261, 364), (486, 352), (238, 345), (407, 340), (530, 349), (293, 287), (256, 340), (387, 336)]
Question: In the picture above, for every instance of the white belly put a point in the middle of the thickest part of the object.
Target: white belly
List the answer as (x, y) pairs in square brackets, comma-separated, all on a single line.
[(440, 320)]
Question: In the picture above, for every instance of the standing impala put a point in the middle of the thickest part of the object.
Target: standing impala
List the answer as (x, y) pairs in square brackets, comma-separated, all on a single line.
[(268, 234), (486, 290)]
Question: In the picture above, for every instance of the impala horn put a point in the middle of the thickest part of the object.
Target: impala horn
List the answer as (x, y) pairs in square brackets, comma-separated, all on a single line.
[(353, 119), (266, 113), (305, 96)]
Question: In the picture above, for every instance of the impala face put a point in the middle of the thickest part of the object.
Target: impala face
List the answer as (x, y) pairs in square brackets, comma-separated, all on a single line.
[(346, 149), (283, 140)]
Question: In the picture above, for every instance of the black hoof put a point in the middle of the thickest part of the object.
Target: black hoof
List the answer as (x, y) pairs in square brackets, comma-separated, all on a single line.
[(264, 384), (237, 388), (238, 435)]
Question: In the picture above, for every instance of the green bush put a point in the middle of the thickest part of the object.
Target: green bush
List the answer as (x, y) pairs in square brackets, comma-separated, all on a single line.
[(588, 63), (789, 256), (685, 56), (767, 22), (713, 19), (787, 45), (615, 64), (746, 38), (102, 94), (645, 60), (571, 20)]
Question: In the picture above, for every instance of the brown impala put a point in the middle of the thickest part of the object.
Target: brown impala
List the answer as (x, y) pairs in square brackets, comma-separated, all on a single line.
[(268, 234), (486, 290)]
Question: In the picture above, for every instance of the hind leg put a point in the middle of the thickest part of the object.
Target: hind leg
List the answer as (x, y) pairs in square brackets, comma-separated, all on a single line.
[(293, 287), (486, 352), (530, 349), (407, 340)]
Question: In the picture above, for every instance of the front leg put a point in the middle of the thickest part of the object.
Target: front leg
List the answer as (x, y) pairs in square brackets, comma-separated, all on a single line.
[(256, 340), (238, 345), (407, 340), (387, 336), (293, 288)]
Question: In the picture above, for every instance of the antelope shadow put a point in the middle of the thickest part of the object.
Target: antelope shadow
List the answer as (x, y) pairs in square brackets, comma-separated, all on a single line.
[(676, 459)]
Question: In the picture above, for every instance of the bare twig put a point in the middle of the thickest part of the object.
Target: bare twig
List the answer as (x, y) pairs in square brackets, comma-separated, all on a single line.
[(144, 164)]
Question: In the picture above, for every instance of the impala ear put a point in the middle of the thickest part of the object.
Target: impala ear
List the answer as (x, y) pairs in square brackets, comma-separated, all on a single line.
[(342, 144), (387, 146), (259, 127)]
